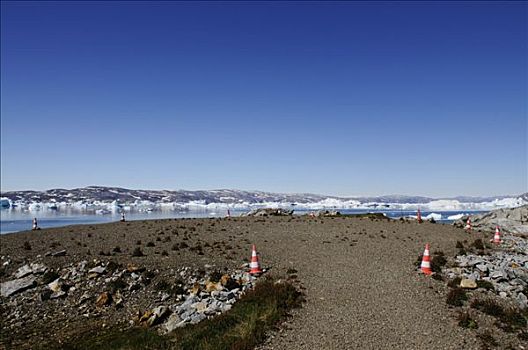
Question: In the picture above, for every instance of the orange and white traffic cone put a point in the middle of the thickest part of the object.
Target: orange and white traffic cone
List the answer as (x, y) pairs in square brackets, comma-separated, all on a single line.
[(496, 239), (468, 225), (419, 216), (254, 266), (426, 261)]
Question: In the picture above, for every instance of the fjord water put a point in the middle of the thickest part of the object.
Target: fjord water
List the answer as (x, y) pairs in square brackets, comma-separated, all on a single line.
[(16, 220)]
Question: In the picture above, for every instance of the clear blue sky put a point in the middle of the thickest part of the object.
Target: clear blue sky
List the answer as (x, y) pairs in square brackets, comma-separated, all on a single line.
[(344, 98)]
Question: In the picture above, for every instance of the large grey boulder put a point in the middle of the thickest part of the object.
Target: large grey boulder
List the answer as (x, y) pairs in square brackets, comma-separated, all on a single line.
[(510, 220)]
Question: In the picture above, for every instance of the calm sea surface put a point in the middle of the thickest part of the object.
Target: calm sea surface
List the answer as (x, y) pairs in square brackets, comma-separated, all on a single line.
[(16, 220)]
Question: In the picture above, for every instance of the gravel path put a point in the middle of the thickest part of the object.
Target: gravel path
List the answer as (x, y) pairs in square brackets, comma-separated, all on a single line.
[(367, 295)]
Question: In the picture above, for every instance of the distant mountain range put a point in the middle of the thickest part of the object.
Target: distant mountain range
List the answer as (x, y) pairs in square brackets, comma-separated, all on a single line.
[(93, 194)]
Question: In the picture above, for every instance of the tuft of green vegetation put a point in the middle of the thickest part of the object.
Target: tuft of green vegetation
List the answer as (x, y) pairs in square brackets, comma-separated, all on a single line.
[(485, 284), (509, 319), (455, 282), (137, 252), (456, 297), (438, 261), (133, 338), (49, 276), (478, 244), (118, 284), (465, 321), (487, 340), (215, 276), (242, 328)]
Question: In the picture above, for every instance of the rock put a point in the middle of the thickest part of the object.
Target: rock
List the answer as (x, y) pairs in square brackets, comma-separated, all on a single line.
[(212, 286), (174, 321), (196, 318), (200, 306), (196, 288), (59, 253), (58, 294), (482, 267), (15, 286), (498, 274), (55, 286), (468, 283), (30, 269), (134, 268), (522, 300), (44, 295), (23, 271), (154, 317), (104, 299), (98, 270)]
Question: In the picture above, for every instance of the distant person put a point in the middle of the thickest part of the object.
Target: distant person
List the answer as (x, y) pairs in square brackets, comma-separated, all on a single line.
[(35, 224), (123, 217)]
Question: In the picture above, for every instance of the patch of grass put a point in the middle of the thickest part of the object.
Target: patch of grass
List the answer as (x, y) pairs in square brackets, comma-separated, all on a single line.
[(487, 340), (118, 284), (26, 246), (465, 321), (244, 326), (487, 285), (215, 276), (438, 261), (137, 252), (509, 319), (478, 244), (488, 306), (49, 276), (133, 338), (455, 282), (456, 297)]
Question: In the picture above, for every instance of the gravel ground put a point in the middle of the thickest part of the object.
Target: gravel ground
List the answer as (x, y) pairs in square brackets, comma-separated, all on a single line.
[(361, 284)]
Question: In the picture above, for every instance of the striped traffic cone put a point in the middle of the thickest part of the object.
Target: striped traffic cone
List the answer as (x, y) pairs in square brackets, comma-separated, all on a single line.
[(419, 216), (468, 225), (496, 239), (426, 261), (255, 264)]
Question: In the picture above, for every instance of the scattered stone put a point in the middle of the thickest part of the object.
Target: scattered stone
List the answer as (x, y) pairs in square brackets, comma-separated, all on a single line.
[(15, 286), (59, 253), (104, 299), (98, 270), (174, 321), (468, 284), (153, 317), (55, 286)]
